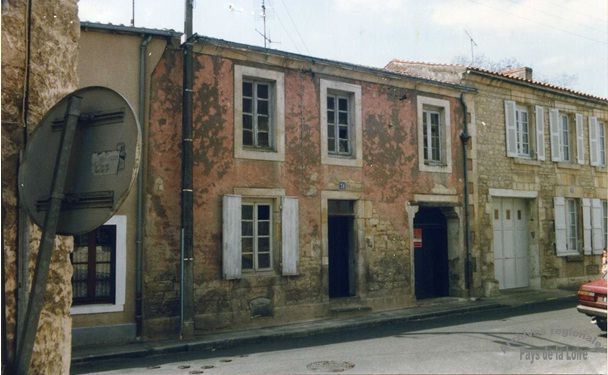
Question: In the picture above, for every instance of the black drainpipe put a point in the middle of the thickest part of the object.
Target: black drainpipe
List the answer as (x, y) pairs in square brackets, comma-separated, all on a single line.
[(187, 258), (143, 47), (464, 138)]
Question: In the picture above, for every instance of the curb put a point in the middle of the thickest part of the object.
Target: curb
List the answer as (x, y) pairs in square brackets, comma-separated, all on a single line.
[(300, 330)]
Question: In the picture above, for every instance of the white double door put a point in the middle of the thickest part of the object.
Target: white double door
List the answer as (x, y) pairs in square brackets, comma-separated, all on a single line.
[(511, 254)]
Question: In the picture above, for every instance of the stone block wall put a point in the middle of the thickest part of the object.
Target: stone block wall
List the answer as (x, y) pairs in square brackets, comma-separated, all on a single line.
[(52, 74)]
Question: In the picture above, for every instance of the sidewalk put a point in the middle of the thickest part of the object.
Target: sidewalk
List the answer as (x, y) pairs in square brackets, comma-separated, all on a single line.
[(424, 310)]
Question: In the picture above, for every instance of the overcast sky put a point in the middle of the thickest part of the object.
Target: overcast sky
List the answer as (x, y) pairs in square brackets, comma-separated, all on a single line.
[(554, 37)]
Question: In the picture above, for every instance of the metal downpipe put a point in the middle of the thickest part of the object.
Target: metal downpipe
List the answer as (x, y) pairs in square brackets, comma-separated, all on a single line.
[(464, 138)]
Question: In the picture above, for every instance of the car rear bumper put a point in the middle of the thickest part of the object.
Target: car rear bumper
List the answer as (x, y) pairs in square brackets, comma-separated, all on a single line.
[(592, 311)]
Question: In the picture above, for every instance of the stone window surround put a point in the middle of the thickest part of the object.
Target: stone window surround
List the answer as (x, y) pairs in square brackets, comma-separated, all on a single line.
[(356, 160), (121, 273), (444, 107), (278, 114)]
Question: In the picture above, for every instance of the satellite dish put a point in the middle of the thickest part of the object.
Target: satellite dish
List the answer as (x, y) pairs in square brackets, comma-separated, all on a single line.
[(103, 165)]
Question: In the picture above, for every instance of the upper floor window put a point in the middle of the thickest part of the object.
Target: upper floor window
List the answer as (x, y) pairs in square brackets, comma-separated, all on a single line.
[(567, 142), (523, 133), (432, 136), (341, 126), (564, 139), (434, 145), (597, 142), (259, 124), (257, 114)]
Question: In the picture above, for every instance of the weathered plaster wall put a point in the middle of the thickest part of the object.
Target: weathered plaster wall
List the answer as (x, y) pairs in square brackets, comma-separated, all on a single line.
[(549, 179), (388, 180), (54, 38)]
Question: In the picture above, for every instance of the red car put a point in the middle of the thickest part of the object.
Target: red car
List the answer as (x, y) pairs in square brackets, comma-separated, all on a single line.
[(592, 301)]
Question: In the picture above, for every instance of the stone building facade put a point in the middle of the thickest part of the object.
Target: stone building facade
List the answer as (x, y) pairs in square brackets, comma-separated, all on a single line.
[(539, 176), (314, 180), (39, 58)]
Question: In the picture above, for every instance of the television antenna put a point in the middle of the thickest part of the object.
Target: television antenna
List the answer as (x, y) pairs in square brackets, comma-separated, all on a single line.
[(473, 44), (267, 40)]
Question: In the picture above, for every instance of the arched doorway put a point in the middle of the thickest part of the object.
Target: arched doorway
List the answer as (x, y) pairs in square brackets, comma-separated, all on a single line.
[(430, 253)]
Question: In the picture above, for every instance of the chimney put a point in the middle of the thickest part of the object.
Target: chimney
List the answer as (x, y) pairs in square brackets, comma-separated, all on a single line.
[(523, 72)]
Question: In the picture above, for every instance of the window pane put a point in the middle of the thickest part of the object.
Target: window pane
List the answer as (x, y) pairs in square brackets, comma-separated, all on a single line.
[(262, 123), (247, 261), (247, 245), (247, 105), (263, 228), (247, 228), (262, 107), (342, 104), (263, 212), (103, 254), (344, 146), (247, 212), (247, 137), (80, 255), (343, 132), (247, 122), (264, 260), (262, 90), (331, 102), (263, 139), (342, 117), (263, 244), (247, 89), (331, 144), (331, 131), (331, 117)]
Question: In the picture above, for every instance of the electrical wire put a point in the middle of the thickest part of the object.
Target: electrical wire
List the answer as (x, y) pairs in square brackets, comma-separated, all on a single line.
[(295, 27)]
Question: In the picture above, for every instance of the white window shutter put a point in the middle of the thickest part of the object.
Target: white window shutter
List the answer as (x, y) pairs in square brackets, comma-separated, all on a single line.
[(587, 226), (596, 226), (540, 133), (580, 141), (511, 131), (559, 212), (231, 240), (593, 146), (556, 150), (290, 236)]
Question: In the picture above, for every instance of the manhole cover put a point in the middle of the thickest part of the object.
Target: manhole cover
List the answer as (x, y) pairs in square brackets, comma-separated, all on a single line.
[(331, 366)]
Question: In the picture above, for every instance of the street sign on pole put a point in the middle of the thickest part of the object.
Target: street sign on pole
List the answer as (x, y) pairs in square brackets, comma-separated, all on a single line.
[(78, 168)]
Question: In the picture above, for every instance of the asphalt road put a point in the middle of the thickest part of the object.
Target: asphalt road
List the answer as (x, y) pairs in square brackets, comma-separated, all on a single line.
[(538, 338)]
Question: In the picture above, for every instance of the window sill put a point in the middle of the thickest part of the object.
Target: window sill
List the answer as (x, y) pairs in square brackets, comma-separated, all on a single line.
[(258, 154), (526, 161), (601, 168), (574, 258), (341, 161), (96, 309), (568, 165)]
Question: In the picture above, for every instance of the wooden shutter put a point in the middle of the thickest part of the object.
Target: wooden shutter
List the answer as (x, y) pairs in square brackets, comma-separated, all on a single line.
[(596, 226), (290, 236), (556, 150), (580, 141), (231, 240), (559, 213), (511, 131), (587, 226), (540, 133), (593, 144)]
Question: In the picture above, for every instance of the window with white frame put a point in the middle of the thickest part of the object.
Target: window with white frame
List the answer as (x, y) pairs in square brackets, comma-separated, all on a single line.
[(99, 268), (341, 126), (434, 144), (256, 235), (259, 124), (523, 131), (249, 236), (601, 144), (572, 227), (567, 142)]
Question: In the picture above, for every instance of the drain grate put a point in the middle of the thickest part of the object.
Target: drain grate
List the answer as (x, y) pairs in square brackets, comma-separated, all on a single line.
[(331, 366)]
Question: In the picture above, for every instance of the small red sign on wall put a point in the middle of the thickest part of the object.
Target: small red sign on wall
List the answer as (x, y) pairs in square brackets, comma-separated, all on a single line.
[(417, 237)]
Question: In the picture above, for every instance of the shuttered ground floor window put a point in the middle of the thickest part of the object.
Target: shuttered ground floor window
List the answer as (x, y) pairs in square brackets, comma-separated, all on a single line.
[(94, 263)]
